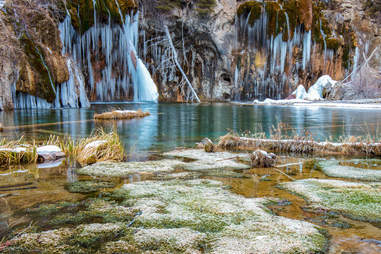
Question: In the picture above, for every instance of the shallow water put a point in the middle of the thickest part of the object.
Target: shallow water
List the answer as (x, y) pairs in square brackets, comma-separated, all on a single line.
[(174, 125)]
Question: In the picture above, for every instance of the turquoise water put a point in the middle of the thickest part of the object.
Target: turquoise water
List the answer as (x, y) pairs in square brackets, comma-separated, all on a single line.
[(173, 125)]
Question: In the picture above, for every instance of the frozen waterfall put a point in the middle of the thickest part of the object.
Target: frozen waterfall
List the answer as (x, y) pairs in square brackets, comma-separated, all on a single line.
[(115, 72)]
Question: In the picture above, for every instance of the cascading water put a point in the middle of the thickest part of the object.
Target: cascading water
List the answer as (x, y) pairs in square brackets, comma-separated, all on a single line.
[(107, 53)]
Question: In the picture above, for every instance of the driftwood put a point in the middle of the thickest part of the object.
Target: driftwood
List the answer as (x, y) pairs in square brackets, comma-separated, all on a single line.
[(178, 64), (302, 146)]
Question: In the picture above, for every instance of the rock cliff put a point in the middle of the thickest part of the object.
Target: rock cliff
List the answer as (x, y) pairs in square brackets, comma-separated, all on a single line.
[(229, 49)]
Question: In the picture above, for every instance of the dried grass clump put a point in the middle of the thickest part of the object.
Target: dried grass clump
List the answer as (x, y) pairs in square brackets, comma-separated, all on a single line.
[(121, 114), (99, 147), (17, 152), (299, 145)]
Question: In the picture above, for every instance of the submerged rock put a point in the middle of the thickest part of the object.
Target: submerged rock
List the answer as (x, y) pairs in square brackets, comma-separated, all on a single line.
[(357, 200), (87, 186), (262, 159), (334, 169)]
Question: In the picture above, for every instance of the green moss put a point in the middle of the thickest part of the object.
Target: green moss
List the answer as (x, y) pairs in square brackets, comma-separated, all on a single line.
[(82, 12), (333, 43), (204, 7), (252, 8), (346, 56)]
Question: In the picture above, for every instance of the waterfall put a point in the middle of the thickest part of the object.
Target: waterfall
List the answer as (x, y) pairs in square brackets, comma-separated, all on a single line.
[(115, 73)]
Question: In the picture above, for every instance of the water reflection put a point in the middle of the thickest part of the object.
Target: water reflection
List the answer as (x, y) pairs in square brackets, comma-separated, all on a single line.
[(173, 125)]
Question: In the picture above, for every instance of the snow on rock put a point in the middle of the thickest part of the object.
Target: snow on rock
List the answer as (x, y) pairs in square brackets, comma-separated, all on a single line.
[(48, 149), (49, 153), (315, 92), (300, 93)]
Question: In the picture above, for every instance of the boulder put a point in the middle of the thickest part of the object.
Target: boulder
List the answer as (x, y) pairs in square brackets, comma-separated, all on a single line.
[(49, 153), (316, 91), (262, 159), (207, 145)]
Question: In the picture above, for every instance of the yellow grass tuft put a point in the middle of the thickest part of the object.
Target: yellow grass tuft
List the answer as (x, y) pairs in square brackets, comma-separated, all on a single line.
[(100, 146), (16, 152)]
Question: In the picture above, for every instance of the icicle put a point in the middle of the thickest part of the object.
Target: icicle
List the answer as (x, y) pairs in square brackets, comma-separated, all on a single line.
[(325, 42), (355, 62), (306, 49)]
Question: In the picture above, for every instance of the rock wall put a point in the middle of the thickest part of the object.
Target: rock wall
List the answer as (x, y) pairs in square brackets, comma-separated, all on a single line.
[(240, 50), (229, 49), (31, 57)]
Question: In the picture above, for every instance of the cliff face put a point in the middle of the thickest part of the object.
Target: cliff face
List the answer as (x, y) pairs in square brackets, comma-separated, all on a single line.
[(229, 49), (31, 57), (246, 50)]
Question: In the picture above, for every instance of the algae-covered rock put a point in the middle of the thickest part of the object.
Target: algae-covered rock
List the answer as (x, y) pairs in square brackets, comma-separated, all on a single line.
[(357, 200), (199, 161), (177, 216), (334, 169), (205, 207), (127, 168), (209, 161)]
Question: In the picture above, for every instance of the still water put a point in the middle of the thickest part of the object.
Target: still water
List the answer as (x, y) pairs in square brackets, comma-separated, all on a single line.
[(174, 125)]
